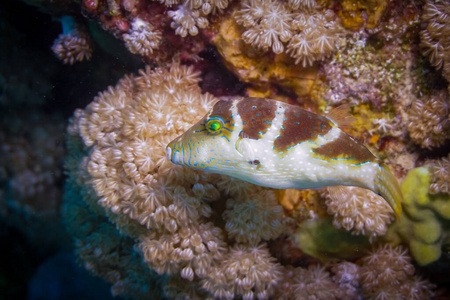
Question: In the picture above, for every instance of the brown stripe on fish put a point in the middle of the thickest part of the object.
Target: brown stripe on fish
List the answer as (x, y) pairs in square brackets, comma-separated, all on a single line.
[(223, 109), (300, 125), (345, 147), (256, 115)]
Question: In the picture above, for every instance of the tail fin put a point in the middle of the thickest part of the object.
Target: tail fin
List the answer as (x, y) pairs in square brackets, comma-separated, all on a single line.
[(387, 187)]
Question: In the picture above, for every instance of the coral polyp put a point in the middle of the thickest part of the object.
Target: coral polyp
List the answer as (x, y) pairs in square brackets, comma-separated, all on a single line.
[(316, 35), (142, 39), (358, 210), (440, 176), (268, 24), (296, 28), (247, 272), (73, 44), (258, 208), (387, 273), (187, 21), (429, 123), (435, 36), (72, 47)]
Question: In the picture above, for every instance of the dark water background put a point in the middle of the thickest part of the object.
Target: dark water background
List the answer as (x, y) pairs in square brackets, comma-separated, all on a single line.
[(37, 96)]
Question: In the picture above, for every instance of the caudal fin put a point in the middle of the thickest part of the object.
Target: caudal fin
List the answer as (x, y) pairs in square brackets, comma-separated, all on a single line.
[(387, 187)]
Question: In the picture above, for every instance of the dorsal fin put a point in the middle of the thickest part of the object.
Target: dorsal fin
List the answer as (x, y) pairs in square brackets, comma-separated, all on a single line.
[(341, 116)]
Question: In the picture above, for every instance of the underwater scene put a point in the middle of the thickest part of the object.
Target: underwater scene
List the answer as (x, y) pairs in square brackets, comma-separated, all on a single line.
[(225, 149)]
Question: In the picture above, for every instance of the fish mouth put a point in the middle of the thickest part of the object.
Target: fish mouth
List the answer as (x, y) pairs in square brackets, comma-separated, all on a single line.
[(169, 152), (173, 156), (173, 153)]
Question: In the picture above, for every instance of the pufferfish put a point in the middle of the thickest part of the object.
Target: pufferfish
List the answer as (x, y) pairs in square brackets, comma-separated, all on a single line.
[(281, 146)]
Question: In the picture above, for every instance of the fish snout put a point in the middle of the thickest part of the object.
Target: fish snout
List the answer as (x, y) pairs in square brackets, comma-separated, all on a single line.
[(169, 152)]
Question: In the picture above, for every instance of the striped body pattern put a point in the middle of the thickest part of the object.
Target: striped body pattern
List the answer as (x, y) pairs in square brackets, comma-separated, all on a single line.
[(274, 144)]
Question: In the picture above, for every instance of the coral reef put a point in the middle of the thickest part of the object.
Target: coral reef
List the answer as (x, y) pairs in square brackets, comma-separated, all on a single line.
[(360, 74), (31, 146), (157, 31), (387, 273), (160, 31), (435, 37), (103, 250), (167, 208), (358, 210), (31, 164), (429, 123), (189, 233), (156, 230), (379, 74), (31, 176)]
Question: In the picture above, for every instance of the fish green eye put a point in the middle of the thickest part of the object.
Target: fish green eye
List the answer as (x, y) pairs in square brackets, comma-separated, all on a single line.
[(213, 125)]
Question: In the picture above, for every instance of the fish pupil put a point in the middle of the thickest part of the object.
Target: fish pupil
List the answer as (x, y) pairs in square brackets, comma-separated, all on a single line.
[(214, 125)]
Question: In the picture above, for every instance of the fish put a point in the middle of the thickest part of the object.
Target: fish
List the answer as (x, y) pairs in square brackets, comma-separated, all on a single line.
[(281, 146)]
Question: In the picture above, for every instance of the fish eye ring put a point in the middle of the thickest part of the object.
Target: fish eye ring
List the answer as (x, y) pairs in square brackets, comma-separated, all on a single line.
[(214, 125)]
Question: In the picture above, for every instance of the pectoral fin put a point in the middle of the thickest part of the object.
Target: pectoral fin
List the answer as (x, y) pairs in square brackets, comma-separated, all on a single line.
[(244, 148)]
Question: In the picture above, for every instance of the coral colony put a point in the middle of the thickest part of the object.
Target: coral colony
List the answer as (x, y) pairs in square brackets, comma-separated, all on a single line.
[(157, 230), (73, 44)]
